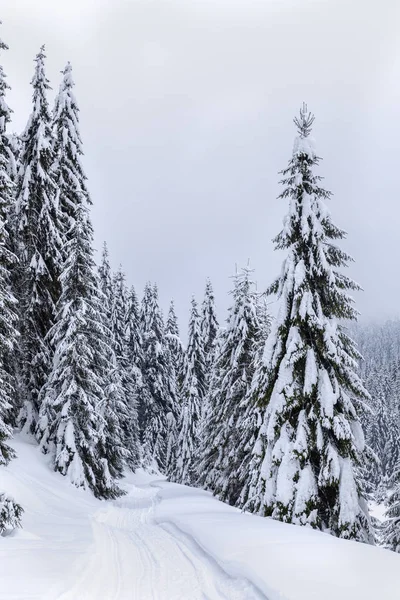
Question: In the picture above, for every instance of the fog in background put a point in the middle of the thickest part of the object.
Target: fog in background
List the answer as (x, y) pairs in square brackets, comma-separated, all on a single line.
[(186, 119)]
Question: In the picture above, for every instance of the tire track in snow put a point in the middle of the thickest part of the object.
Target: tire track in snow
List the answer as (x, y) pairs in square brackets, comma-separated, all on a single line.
[(135, 558)]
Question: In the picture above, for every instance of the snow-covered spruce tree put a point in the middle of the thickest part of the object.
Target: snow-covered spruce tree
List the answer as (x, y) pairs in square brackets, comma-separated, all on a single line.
[(122, 376), (176, 348), (10, 511), (119, 309), (377, 433), (195, 352), (391, 527), (37, 280), (311, 441), (383, 432), (232, 417), (134, 337), (193, 392), (391, 456), (133, 328), (209, 328), (178, 363), (157, 403), (105, 276), (74, 422), (14, 149), (68, 172), (8, 261), (264, 319)]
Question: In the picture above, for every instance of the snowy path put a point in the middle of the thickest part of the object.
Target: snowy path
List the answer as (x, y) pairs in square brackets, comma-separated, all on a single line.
[(134, 557), (163, 541), (74, 547)]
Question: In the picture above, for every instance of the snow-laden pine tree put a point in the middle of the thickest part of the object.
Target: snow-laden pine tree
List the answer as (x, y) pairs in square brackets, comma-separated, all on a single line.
[(13, 148), (232, 420), (209, 328), (75, 422), (391, 454), (192, 397), (378, 433), (176, 348), (157, 403), (311, 441), (133, 328), (195, 352), (264, 319), (10, 511), (134, 337), (67, 168), (37, 280), (391, 527), (122, 375), (178, 363), (105, 276)]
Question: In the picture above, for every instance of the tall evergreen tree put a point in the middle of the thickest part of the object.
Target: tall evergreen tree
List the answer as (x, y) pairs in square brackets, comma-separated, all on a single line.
[(391, 527), (122, 376), (178, 372), (196, 356), (134, 338), (10, 512), (74, 409), (232, 421), (133, 329), (157, 409), (38, 276), (119, 308), (391, 456), (193, 391), (311, 441), (14, 148), (209, 328), (264, 319), (176, 348), (67, 168), (106, 279), (377, 433)]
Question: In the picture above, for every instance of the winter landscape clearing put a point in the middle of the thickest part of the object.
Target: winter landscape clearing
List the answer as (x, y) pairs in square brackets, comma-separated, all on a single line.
[(165, 541)]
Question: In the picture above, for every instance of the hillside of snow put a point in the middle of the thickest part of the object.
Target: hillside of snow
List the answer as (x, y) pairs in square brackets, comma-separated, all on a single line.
[(163, 541)]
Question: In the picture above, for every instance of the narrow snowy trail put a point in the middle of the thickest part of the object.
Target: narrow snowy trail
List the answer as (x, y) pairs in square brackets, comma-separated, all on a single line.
[(135, 557), (163, 541), (74, 547)]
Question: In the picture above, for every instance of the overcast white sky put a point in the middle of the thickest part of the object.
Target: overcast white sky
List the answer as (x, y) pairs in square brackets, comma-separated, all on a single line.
[(186, 119)]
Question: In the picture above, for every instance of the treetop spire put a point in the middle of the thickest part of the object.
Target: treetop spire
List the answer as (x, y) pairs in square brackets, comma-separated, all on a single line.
[(305, 122)]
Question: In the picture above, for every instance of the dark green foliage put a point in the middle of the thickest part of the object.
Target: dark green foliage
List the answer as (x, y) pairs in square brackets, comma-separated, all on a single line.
[(37, 279)]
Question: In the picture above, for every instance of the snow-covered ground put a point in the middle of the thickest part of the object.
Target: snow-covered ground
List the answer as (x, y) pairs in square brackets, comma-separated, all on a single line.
[(169, 542)]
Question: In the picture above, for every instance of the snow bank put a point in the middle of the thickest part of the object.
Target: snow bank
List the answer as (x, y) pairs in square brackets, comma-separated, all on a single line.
[(285, 562)]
